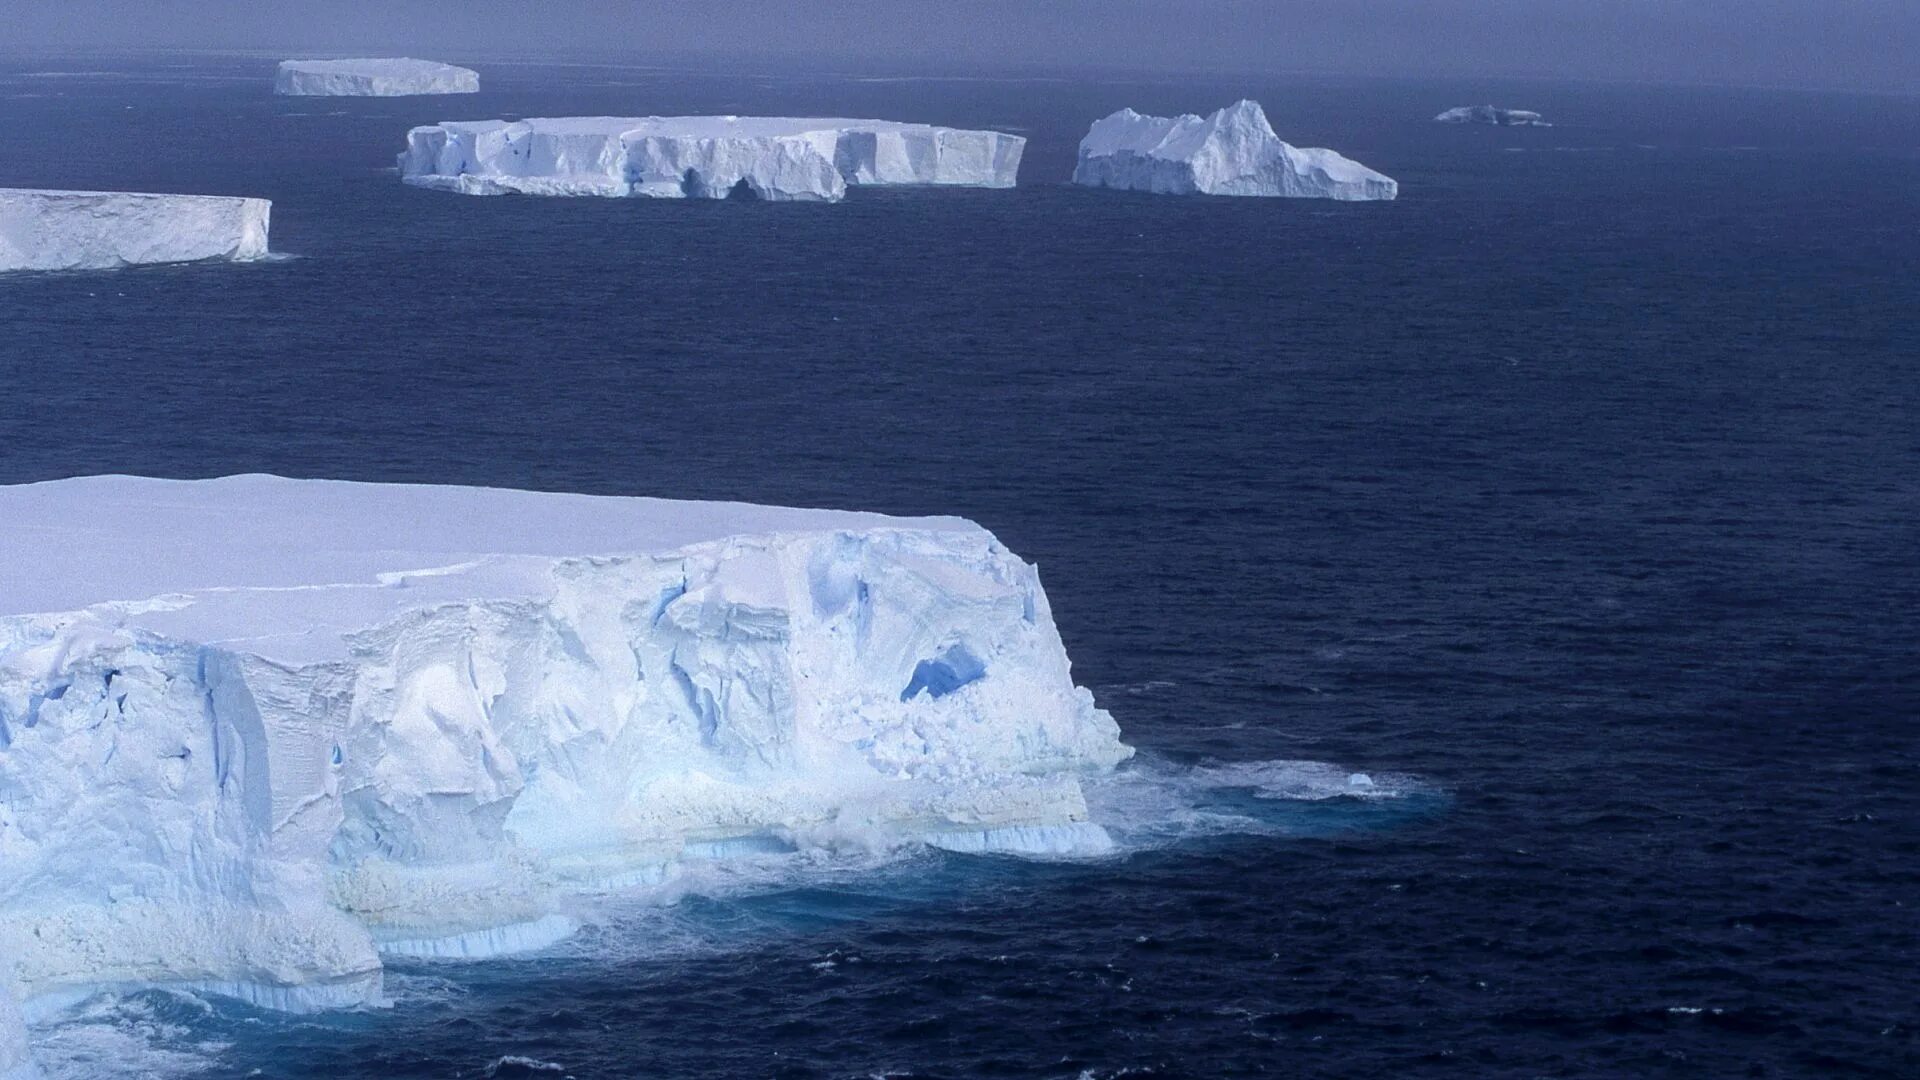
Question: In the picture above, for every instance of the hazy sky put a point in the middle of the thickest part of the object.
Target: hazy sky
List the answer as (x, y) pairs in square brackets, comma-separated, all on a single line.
[(1861, 43)]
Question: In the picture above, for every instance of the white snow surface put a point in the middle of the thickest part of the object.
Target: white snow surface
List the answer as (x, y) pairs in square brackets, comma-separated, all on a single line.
[(1232, 152), (102, 230), (711, 157), (1488, 114), (256, 731), (392, 77)]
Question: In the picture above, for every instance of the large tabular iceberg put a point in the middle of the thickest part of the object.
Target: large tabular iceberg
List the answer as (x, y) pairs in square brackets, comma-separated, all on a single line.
[(101, 230), (256, 731), (398, 77), (710, 157), (1232, 152), (1488, 114)]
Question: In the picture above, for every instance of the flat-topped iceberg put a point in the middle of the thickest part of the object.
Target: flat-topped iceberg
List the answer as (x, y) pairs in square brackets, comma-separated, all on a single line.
[(101, 230), (394, 77), (255, 731), (710, 157), (1487, 114), (1232, 152)]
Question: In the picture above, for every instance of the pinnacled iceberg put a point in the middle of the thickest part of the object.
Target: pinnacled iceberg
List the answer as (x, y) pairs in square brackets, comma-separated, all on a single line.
[(396, 77), (1232, 152), (101, 230), (1487, 114), (713, 157), (254, 731)]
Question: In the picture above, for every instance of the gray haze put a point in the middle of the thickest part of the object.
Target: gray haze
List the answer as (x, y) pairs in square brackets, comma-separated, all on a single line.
[(1866, 44)]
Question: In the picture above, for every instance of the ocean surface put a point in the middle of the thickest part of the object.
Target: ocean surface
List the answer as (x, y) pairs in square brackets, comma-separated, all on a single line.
[(1573, 498)]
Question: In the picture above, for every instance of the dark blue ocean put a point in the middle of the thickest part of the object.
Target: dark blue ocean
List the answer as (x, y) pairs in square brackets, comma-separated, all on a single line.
[(1574, 498)]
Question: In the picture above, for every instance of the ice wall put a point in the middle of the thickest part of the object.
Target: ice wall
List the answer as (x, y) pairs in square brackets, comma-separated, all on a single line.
[(254, 731), (102, 230)]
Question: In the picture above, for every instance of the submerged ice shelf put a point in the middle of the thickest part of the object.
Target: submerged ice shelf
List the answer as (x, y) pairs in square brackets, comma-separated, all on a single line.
[(103, 230), (713, 157), (256, 731), (387, 77), (1232, 152)]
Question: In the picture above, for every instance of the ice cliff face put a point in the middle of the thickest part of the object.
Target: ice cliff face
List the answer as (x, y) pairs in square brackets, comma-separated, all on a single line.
[(709, 157), (400, 77), (102, 230), (1487, 114), (256, 731), (1232, 152)]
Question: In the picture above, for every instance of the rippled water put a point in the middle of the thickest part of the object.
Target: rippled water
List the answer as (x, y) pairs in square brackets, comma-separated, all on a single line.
[(1572, 498)]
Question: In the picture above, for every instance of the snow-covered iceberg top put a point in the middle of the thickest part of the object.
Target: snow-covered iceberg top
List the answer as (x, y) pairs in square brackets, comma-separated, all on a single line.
[(1487, 114), (393, 77), (101, 230), (255, 732), (1232, 152), (711, 157)]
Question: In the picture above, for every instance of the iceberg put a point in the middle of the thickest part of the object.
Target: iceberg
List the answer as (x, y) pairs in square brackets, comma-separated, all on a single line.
[(1232, 152), (400, 77), (710, 157), (1487, 114), (102, 230), (256, 733)]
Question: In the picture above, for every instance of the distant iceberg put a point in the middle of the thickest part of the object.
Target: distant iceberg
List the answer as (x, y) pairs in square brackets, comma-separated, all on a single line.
[(102, 230), (398, 77), (1232, 152), (710, 157), (1487, 114), (257, 732)]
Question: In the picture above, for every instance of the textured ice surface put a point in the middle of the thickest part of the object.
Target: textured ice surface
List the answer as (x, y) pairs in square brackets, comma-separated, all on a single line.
[(1232, 152), (15, 1061), (101, 230), (710, 157), (397, 77), (1487, 114), (255, 731)]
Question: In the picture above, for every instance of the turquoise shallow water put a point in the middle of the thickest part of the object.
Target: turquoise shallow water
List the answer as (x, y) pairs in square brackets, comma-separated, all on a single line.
[(1571, 498)]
